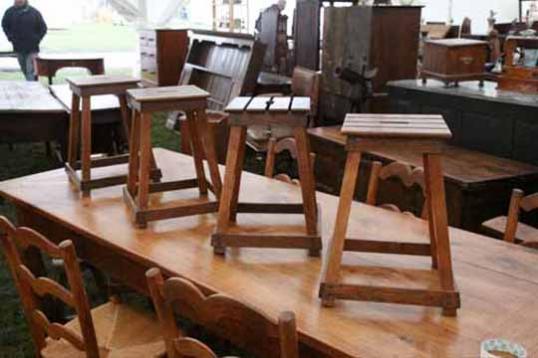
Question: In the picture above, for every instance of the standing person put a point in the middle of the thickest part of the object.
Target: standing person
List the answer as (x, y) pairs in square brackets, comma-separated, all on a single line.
[(25, 28)]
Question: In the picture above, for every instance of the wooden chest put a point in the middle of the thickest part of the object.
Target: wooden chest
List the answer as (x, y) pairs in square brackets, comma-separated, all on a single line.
[(454, 60), (162, 56)]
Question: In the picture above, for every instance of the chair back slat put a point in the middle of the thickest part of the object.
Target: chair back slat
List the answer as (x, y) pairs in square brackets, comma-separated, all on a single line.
[(45, 286), (407, 175), (238, 323), (32, 288), (275, 147), (188, 347), (529, 202), (57, 331)]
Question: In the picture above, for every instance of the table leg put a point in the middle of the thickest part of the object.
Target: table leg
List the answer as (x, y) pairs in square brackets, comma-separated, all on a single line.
[(307, 183), (210, 151), (145, 161), (134, 154), (86, 142), (74, 131), (440, 222), (197, 151), (336, 249)]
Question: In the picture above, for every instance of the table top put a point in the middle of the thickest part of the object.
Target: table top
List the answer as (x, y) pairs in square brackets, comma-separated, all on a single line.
[(99, 103), (456, 42), (498, 281), (401, 126), (459, 164), (68, 57), (27, 97), (101, 80), (470, 89), (155, 94)]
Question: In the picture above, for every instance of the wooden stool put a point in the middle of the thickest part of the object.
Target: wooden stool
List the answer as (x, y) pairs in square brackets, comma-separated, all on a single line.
[(86, 87), (145, 102), (245, 111), (424, 133)]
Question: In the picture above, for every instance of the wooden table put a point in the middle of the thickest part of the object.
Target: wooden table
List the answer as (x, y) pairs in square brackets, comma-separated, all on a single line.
[(29, 113), (478, 185), (47, 65), (498, 282)]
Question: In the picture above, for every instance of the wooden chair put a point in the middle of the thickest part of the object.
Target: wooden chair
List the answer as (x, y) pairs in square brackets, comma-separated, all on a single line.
[(405, 173), (509, 227), (112, 329), (241, 325), (276, 147)]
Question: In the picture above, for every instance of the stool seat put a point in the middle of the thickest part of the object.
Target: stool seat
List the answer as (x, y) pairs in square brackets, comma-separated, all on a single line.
[(101, 84), (146, 101), (425, 134), (80, 126), (395, 126), (285, 111)]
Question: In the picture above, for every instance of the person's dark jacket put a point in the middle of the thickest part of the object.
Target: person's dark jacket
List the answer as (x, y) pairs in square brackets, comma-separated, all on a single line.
[(25, 28)]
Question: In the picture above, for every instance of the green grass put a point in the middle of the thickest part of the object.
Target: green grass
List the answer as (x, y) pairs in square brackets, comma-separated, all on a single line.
[(91, 38)]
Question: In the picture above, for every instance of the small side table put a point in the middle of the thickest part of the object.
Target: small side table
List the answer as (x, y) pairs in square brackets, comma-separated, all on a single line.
[(145, 102), (48, 64), (283, 111), (426, 134), (85, 88)]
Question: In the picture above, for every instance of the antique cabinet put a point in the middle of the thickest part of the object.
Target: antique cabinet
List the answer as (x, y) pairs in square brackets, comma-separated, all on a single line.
[(366, 37), (226, 65), (455, 60), (162, 55)]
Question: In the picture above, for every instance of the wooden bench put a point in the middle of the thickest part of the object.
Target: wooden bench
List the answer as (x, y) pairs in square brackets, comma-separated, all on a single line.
[(478, 185)]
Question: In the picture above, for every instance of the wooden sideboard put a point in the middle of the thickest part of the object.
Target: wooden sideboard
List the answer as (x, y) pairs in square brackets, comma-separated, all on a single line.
[(485, 119), (162, 56), (478, 185)]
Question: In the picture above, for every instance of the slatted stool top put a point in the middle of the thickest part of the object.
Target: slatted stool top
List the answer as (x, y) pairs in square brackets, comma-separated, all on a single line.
[(168, 98), (291, 111), (425, 133), (413, 126), (101, 84)]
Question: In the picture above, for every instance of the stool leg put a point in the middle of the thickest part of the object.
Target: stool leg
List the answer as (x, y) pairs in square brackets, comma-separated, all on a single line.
[(197, 150), (429, 208), (74, 131), (126, 119), (238, 169), (145, 162), (231, 179), (125, 116), (307, 184), (210, 151), (336, 249), (134, 154), (440, 224), (86, 142)]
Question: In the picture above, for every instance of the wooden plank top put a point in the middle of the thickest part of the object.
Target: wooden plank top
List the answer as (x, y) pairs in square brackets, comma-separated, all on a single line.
[(99, 103), (269, 104), (469, 90), (27, 97), (386, 126), (171, 93), (101, 80), (460, 165), (498, 281), (60, 57), (456, 42)]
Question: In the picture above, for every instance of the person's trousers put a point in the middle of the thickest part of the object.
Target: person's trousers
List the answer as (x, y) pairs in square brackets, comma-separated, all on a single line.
[(26, 61)]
